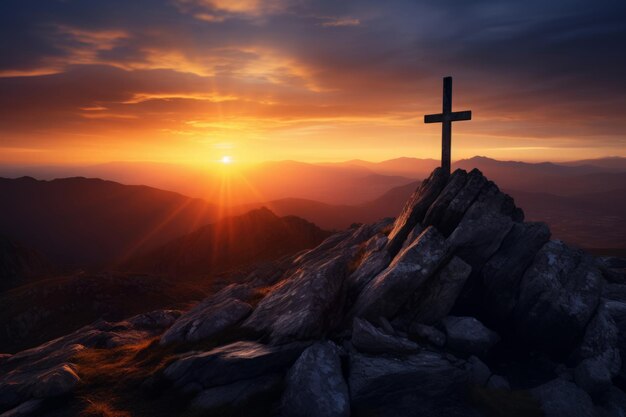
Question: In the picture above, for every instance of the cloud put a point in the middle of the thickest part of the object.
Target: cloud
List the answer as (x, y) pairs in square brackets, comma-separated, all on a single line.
[(342, 22)]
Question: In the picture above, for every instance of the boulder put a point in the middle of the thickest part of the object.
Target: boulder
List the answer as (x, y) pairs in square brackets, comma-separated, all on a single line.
[(593, 376), (391, 289), (601, 342), (206, 320), (498, 382), (617, 311), (315, 385), (436, 300), (415, 209), (437, 209), (423, 384), (613, 403), (427, 333), (375, 259), (469, 336), (558, 295), (234, 362), (560, 398), (614, 292), (479, 372), (238, 396), (367, 338), (454, 211), (502, 274)]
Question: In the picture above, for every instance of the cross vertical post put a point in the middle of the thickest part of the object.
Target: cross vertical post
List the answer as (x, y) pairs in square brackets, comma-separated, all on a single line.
[(446, 117)]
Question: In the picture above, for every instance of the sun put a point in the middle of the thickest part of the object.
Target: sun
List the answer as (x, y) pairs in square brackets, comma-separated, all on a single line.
[(226, 159)]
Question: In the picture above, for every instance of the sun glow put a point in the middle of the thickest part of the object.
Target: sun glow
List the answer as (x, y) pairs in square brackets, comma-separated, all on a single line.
[(226, 159)]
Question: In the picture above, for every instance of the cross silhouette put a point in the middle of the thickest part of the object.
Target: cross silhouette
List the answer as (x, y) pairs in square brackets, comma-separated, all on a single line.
[(446, 118)]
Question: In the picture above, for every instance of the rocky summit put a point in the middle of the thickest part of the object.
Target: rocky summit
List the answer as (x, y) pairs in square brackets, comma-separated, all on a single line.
[(456, 308)]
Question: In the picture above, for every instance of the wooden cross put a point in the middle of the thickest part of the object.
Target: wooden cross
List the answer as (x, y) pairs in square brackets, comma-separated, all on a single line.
[(446, 118)]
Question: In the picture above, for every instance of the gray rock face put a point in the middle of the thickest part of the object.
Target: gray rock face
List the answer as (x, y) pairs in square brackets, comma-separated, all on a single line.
[(502, 274), (415, 209), (617, 311), (307, 304), (479, 372), (558, 295), (231, 363), (457, 207), (601, 342), (436, 300), (428, 334), (468, 335), (236, 396), (422, 384), (369, 339), (315, 385), (437, 209), (375, 259), (593, 376), (391, 289), (206, 320), (560, 398)]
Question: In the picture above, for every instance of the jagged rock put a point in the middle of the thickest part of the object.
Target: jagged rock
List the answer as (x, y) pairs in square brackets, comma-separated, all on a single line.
[(315, 385), (483, 227), (558, 295), (236, 396), (428, 333), (56, 381), (436, 300), (615, 292), (617, 311), (307, 304), (415, 209), (234, 362), (502, 274), (155, 320), (593, 376), (560, 398), (613, 403), (375, 259), (498, 382), (468, 335), (479, 372), (437, 209), (413, 234), (474, 183), (421, 384), (29, 408), (601, 342), (205, 321), (389, 291), (368, 339)]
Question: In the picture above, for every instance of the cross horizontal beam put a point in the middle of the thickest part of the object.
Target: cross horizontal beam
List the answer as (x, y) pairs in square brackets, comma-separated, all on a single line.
[(455, 116)]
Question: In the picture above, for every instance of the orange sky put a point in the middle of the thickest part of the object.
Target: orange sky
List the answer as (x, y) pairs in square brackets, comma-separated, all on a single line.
[(189, 81)]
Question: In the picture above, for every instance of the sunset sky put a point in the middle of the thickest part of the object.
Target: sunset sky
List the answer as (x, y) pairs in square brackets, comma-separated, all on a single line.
[(192, 81)]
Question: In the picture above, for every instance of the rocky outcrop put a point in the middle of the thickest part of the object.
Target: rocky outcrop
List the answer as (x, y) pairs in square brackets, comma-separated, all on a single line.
[(469, 336), (560, 398), (315, 385), (367, 338), (236, 397)]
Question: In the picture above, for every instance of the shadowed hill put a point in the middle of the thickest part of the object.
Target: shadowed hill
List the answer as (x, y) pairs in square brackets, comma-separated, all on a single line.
[(81, 221)]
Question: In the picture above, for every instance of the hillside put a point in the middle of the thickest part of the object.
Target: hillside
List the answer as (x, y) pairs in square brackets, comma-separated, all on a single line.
[(92, 222)]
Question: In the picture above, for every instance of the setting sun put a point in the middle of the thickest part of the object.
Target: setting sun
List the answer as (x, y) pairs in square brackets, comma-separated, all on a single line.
[(226, 159)]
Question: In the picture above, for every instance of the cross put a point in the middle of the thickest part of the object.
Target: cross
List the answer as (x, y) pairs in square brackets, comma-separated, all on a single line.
[(446, 118)]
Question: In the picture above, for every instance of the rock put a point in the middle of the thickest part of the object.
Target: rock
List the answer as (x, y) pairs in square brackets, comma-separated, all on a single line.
[(56, 381), (482, 228), (29, 408), (155, 320), (428, 333), (315, 385), (498, 382), (436, 300), (558, 295), (234, 362), (375, 259), (468, 335), (236, 396), (390, 290), (593, 376), (474, 183), (615, 292), (503, 272), (479, 372), (415, 209), (613, 403), (206, 320), (368, 339), (421, 384), (617, 311), (601, 342), (437, 209), (559, 398)]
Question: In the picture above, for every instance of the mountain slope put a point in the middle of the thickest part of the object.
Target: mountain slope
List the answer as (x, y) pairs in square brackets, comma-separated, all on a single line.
[(234, 242), (87, 222)]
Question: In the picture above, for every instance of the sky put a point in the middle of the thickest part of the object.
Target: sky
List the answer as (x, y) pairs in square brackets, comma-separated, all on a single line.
[(192, 81)]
